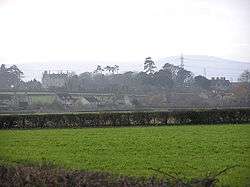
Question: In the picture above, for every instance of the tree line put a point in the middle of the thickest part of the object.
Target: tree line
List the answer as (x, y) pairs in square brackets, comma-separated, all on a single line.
[(168, 78), (11, 79)]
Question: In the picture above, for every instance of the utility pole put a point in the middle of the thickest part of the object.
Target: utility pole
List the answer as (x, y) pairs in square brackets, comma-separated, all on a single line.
[(182, 61), (205, 72)]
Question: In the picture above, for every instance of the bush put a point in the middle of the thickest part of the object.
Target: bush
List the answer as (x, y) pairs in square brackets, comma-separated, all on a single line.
[(46, 175), (102, 119)]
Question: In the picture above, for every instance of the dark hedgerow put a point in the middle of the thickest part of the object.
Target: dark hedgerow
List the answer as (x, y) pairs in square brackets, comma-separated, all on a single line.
[(46, 175), (116, 119)]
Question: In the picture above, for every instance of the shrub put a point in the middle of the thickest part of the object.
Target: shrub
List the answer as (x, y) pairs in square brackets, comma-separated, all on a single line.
[(68, 120)]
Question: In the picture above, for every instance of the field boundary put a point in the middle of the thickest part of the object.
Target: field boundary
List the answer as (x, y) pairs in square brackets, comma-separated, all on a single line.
[(116, 119), (44, 174)]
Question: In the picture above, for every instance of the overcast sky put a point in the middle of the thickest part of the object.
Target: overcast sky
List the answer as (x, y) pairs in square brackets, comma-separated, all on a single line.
[(122, 30)]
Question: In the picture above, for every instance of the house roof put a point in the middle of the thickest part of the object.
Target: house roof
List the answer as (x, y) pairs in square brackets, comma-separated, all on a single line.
[(55, 75), (91, 99)]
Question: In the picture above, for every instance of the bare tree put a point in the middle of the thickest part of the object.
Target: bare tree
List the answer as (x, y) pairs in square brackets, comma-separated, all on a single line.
[(116, 68), (108, 68), (98, 70), (149, 65), (112, 69)]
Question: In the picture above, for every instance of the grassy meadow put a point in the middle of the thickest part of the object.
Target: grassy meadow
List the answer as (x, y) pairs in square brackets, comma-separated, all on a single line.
[(190, 151)]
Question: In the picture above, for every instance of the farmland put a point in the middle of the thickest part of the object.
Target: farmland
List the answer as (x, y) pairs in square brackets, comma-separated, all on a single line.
[(190, 151)]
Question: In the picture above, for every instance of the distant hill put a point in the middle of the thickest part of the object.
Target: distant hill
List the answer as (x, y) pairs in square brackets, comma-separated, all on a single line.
[(196, 63), (209, 65)]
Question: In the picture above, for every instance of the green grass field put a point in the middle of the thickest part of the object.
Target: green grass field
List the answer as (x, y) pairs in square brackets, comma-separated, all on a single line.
[(190, 151)]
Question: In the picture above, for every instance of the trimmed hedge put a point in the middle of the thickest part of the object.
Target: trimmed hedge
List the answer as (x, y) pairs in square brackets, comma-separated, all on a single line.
[(75, 120)]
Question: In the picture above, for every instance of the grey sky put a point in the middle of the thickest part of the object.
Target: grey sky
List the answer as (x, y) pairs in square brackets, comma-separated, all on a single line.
[(122, 30)]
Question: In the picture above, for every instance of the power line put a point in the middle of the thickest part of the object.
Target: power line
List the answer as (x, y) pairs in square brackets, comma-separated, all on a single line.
[(200, 60), (187, 60)]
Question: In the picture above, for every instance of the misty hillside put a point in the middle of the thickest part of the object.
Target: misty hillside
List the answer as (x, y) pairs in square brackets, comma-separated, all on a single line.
[(198, 64), (209, 66)]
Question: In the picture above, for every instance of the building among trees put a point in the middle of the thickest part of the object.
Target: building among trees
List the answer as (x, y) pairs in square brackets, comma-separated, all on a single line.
[(220, 83), (55, 80)]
